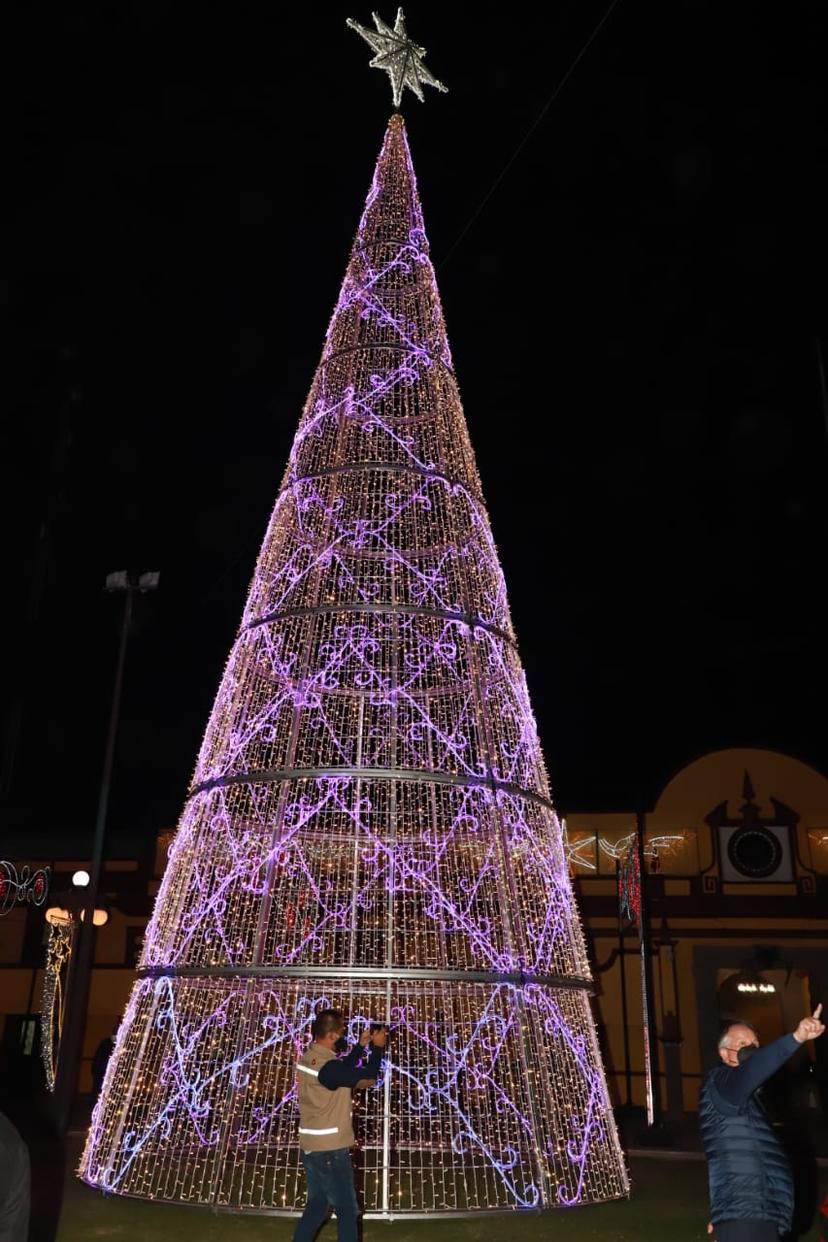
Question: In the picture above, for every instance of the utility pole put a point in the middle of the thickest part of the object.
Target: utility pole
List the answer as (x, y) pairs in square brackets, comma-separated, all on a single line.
[(823, 390), (77, 999), (625, 1017)]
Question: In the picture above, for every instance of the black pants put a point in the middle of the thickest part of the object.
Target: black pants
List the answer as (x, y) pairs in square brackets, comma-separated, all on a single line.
[(746, 1231)]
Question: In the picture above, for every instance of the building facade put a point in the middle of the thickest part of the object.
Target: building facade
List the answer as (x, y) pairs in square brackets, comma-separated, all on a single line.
[(130, 879), (736, 855), (736, 884)]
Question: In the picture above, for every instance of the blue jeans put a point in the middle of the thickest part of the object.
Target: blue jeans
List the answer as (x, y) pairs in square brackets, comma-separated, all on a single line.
[(330, 1177)]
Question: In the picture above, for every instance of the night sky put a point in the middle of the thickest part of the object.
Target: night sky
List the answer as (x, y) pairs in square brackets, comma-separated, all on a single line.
[(635, 316)]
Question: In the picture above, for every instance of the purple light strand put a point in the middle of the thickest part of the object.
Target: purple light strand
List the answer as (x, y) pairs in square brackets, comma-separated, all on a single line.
[(376, 639)]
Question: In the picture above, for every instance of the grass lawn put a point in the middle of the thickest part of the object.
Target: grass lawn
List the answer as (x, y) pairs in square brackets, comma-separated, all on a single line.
[(668, 1204)]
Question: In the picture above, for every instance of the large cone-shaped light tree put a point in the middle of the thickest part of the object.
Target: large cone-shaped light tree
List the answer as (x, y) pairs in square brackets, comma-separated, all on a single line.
[(369, 824)]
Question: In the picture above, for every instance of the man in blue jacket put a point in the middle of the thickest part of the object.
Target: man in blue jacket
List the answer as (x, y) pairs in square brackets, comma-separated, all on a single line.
[(751, 1189)]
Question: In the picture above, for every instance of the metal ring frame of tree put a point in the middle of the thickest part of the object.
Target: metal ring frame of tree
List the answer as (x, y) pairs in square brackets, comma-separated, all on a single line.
[(369, 825)]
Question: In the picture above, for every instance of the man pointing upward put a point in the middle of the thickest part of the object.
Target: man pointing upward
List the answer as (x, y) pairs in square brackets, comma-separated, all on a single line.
[(751, 1188)]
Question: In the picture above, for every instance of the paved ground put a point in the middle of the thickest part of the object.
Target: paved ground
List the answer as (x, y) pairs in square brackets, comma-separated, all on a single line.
[(669, 1204)]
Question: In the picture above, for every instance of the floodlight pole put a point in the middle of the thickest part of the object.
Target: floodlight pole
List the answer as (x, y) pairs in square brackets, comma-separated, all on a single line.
[(77, 991)]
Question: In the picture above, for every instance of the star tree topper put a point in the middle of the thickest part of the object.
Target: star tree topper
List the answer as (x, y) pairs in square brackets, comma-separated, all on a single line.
[(398, 56)]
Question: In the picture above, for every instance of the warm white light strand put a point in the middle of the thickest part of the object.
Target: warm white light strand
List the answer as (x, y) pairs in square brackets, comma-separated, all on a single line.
[(53, 1004), (370, 824)]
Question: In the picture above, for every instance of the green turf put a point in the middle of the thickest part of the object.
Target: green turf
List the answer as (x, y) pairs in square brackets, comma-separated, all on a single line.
[(668, 1203)]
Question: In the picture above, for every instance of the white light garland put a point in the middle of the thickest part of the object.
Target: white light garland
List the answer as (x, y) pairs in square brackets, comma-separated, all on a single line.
[(370, 825), (576, 848)]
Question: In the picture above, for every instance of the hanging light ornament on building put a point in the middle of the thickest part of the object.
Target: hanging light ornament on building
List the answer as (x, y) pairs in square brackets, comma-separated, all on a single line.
[(586, 849), (23, 886), (369, 825), (53, 1004)]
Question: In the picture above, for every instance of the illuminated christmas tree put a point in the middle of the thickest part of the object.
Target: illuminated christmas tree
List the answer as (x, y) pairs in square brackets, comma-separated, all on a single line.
[(369, 824)]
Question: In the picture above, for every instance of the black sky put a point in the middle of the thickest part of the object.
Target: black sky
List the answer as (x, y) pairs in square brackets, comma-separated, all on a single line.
[(634, 319)]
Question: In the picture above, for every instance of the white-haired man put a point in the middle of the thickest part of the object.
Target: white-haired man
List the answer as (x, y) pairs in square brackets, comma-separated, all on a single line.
[(751, 1188)]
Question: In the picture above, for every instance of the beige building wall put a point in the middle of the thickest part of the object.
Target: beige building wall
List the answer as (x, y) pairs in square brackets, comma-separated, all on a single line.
[(702, 929), (699, 919)]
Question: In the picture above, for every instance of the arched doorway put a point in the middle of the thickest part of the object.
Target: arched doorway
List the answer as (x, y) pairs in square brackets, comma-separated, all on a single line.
[(756, 999), (772, 1001)]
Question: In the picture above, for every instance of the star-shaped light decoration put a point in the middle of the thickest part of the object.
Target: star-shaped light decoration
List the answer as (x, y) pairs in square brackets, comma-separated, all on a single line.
[(401, 59)]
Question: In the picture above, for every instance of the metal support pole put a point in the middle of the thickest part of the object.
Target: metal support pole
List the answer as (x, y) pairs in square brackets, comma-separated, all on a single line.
[(625, 1018), (650, 1043), (77, 997)]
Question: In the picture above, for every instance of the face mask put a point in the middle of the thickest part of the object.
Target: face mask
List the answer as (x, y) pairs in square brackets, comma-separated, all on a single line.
[(341, 1046), (744, 1054)]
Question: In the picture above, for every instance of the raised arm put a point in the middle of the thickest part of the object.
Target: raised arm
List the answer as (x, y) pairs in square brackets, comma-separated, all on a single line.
[(347, 1073), (737, 1084)]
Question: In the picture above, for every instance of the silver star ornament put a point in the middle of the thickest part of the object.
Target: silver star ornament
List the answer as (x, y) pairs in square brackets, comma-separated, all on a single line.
[(401, 59)]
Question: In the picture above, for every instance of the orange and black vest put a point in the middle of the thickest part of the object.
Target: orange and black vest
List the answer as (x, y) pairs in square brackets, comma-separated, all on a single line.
[(324, 1115)]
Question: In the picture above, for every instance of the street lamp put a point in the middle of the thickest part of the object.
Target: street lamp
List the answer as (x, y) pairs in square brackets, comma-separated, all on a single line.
[(100, 916), (120, 582)]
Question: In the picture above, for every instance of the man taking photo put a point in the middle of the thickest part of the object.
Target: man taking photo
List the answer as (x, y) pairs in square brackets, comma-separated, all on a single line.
[(325, 1130), (751, 1188)]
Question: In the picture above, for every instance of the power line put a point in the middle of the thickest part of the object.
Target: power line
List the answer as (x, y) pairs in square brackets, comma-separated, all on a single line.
[(530, 131), (248, 542)]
